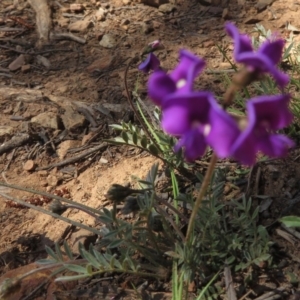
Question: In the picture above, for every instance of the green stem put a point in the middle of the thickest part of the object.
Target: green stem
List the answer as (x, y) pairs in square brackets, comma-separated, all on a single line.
[(201, 194)]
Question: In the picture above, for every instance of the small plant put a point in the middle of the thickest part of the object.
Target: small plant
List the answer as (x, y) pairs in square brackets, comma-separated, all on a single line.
[(191, 238)]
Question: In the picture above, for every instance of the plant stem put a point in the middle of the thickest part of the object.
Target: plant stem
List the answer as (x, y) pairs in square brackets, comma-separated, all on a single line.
[(134, 59), (201, 194)]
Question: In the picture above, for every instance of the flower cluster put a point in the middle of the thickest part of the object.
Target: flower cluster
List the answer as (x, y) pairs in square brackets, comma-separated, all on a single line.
[(199, 121)]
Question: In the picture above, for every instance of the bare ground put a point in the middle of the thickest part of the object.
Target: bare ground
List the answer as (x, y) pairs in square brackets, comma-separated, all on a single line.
[(64, 93)]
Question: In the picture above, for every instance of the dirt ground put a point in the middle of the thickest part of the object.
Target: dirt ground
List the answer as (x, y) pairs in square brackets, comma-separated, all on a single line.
[(61, 96)]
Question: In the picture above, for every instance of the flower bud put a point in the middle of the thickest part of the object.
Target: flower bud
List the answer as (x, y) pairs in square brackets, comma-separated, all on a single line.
[(118, 193)]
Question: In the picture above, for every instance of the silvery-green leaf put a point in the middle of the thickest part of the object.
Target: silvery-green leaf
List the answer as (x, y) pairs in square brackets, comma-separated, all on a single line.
[(116, 126), (144, 142), (91, 259), (76, 268), (71, 278), (124, 136), (134, 138), (68, 250)]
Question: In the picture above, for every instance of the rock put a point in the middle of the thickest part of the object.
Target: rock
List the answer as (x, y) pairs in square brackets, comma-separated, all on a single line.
[(252, 20), (6, 131), (126, 2), (43, 183), (80, 26), (217, 11), (82, 236), (65, 146), (167, 8), (224, 65), (205, 2), (100, 64), (155, 3), (43, 173), (25, 68), (100, 14), (17, 63), (263, 4), (103, 160), (47, 119), (270, 16), (147, 28), (63, 22), (156, 24), (209, 43), (225, 14), (125, 22), (86, 138), (41, 60), (52, 180), (29, 165), (76, 7), (108, 41), (72, 119)]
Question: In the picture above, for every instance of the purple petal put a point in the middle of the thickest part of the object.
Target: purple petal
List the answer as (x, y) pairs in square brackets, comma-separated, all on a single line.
[(159, 86), (194, 144), (272, 111), (176, 120), (242, 43), (150, 63), (244, 149), (263, 60), (183, 111), (261, 63), (223, 132), (188, 69), (273, 50), (275, 145)]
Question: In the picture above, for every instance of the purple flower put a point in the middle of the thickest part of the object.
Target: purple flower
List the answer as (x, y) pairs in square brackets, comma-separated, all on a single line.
[(266, 114), (264, 60), (150, 63), (199, 121), (181, 79), (153, 46)]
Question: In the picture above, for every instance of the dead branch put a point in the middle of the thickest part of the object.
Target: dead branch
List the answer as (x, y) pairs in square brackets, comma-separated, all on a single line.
[(43, 20), (74, 159), (16, 141), (67, 36)]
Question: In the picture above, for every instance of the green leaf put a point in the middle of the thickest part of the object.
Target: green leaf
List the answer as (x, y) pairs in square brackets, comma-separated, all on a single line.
[(116, 141), (116, 126), (46, 261), (71, 278), (115, 244), (103, 261), (153, 149), (89, 269), (291, 221), (144, 142), (51, 253), (76, 268), (173, 254), (58, 252), (130, 263), (134, 138), (91, 259), (68, 250), (124, 136)]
